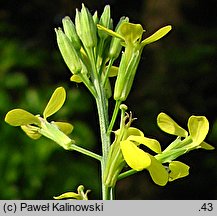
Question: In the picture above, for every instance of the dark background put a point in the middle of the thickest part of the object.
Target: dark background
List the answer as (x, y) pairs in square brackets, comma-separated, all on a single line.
[(177, 75)]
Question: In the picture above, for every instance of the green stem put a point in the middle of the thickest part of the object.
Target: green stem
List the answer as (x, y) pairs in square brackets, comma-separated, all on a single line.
[(126, 174), (85, 151), (102, 108), (114, 116)]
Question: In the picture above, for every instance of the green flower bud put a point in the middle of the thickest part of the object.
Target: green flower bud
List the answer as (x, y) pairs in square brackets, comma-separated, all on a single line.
[(69, 29), (115, 46), (106, 21), (85, 27), (68, 52)]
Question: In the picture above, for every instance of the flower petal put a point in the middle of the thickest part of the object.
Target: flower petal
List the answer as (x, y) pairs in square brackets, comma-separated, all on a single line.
[(69, 195), (131, 32), (134, 157), (31, 131), (157, 35), (157, 172), (18, 117), (206, 146), (198, 128), (153, 144), (55, 103), (168, 125), (65, 127), (110, 32), (178, 170)]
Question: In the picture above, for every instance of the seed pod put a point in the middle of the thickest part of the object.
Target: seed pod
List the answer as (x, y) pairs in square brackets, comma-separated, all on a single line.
[(85, 27), (126, 75), (68, 52), (69, 29)]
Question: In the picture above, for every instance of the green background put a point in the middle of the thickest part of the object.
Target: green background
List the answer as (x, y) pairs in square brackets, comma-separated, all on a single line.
[(177, 75)]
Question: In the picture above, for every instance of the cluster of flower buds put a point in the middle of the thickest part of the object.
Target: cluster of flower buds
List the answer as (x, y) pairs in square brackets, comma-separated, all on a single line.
[(90, 46)]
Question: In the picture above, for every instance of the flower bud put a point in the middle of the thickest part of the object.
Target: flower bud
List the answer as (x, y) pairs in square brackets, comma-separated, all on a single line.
[(115, 46), (106, 21), (68, 52), (69, 29), (85, 27)]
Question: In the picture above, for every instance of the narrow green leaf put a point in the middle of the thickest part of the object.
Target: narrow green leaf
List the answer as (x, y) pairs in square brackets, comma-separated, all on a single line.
[(56, 102), (169, 126), (153, 144), (198, 128), (157, 172), (134, 157), (65, 127), (157, 35), (18, 117), (178, 170)]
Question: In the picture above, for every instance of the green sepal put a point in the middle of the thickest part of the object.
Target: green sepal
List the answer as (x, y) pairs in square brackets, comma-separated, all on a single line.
[(55, 103), (157, 172), (198, 128), (18, 117), (110, 32), (65, 127), (157, 35), (168, 125), (178, 170), (153, 144)]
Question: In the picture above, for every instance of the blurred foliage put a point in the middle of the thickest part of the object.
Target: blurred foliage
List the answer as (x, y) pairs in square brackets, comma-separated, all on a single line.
[(177, 76)]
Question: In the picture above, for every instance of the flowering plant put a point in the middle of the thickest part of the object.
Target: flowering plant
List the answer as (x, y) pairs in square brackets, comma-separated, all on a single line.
[(89, 47)]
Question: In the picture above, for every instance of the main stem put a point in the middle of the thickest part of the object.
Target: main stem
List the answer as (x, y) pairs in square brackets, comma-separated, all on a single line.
[(102, 108)]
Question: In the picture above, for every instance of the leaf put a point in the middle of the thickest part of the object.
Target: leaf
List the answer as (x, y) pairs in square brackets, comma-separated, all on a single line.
[(157, 35), (134, 157), (198, 128), (153, 144), (169, 126), (65, 127), (157, 172), (178, 170), (56, 102), (18, 117)]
